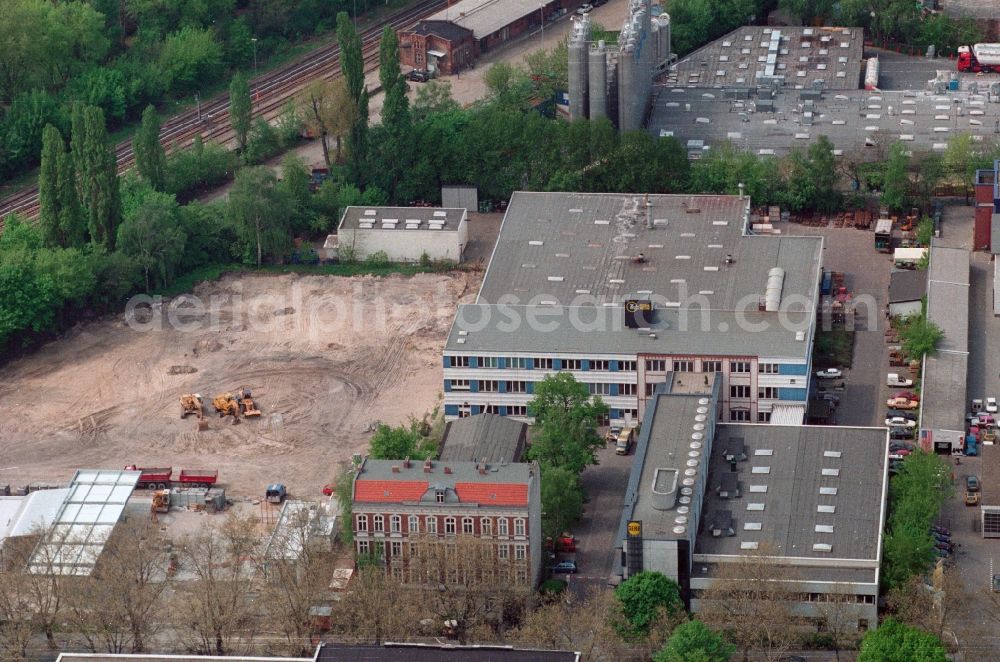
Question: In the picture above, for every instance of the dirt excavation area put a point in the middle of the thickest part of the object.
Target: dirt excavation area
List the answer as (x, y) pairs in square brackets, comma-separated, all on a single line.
[(324, 356)]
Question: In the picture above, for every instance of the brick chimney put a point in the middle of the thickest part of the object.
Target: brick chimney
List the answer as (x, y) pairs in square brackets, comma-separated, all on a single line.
[(395, 468), (447, 470), (428, 465), (406, 462)]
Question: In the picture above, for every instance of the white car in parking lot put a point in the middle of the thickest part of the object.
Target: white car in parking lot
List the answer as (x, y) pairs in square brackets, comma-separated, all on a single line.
[(830, 373), (900, 422), (991, 405)]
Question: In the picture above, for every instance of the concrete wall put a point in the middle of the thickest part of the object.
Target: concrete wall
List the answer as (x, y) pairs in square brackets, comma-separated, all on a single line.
[(905, 308), (406, 245)]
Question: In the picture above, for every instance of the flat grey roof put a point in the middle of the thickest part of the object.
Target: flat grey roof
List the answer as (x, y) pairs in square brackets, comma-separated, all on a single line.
[(944, 381), (399, 218), (484, 17), (907, 285), (944, 398), (948, 295), (491, 437), (811, 573), (581, 249), (740, 58), (666, 446), (781, 482), (601, 331), (919, 119)]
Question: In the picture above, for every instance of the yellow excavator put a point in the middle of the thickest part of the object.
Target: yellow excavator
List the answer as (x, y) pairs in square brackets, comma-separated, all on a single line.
[(227, 405), (191, 404)]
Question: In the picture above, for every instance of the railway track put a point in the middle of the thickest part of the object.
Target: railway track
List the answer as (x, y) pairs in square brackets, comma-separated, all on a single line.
[(269, 93)]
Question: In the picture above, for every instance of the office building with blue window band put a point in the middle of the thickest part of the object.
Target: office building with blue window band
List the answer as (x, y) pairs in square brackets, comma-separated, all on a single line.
[(624, 289)]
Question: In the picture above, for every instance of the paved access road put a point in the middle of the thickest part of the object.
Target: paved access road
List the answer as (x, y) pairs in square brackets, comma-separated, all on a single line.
[(605, 486)]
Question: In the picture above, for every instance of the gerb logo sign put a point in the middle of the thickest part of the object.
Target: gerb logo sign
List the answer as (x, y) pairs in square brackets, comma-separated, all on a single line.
[(638, 313), (635, 529)]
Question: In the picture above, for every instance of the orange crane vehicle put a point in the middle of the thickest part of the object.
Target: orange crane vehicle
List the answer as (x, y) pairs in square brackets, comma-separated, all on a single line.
[(245, 399), (227, 405)]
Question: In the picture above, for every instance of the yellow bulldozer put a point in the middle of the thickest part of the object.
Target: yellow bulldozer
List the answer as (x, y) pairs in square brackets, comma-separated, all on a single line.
[(245, 398), (191, 404), (227, 405)]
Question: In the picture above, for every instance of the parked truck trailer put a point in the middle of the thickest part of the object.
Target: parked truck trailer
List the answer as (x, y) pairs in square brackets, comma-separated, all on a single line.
[(159, 478), (979, 58)]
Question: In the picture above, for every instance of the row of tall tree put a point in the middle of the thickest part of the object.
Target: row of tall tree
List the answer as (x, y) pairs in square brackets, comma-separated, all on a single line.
[(121, 55)]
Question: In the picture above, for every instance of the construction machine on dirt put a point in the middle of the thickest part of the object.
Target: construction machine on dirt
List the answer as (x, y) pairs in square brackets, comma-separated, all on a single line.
[(227, 405), (245, 398), (191, 404)]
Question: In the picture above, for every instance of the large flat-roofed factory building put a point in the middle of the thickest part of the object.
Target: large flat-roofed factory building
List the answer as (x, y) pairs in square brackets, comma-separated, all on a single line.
[(622, 289)]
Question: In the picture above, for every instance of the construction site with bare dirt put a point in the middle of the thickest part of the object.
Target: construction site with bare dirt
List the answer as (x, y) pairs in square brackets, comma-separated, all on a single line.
[(263, 378)]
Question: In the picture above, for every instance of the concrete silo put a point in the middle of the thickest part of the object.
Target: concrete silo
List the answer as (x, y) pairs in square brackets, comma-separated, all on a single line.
[(578, 69), (598, 80)]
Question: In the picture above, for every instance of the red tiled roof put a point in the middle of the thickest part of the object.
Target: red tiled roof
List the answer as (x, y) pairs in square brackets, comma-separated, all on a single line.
[(499, 494), (389, 491)]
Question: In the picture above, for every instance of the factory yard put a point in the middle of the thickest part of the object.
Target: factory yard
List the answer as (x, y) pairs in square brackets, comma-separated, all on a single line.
[(325, 356)]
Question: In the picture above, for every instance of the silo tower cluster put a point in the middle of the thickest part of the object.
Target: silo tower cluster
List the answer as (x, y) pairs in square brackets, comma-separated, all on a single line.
[(616, 80)]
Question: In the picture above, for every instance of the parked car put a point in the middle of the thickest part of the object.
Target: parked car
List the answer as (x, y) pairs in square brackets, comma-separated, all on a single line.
[(830, 373), (940, 537), (899, 453), (565, 544), (900, 446), (612, 434), (585, 9), (945, 547), (419, 76), (908, 415), (894, 379), (936, 528), (901, 403), (971, 483), (901, 433), (900, 422), (977, 406), (986, 420), (907, 394), (991, 405), (329, 489), (971, 498), (564, 567)]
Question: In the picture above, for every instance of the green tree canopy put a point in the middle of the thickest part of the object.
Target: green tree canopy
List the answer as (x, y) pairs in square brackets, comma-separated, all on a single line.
[(260, 212), (189, 56), (562, 500), (920, 336), (895, 642), (150, 159), (693, 641), (399, 443), (153, 238), (566, 423), (240, 108), (645, 597)]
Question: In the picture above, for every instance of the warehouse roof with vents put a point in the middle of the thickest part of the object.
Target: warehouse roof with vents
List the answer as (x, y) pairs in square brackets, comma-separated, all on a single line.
[(586, 248), (571, 260), (811, 492), (402, 218)]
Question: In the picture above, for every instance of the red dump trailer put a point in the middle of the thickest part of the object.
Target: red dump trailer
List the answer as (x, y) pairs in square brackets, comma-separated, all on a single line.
[(197, 477), (161, 477)]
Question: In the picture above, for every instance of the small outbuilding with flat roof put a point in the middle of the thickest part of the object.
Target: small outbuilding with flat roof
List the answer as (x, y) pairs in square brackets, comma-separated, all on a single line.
[(990, 509), (404, 234)]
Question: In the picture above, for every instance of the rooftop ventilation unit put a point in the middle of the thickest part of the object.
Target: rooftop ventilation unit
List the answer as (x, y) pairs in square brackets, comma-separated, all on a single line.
[(664, 488), (440, 214), (772, 293), (729, 486), (366, 225), (721, 524), (735, 450), (370, 212)]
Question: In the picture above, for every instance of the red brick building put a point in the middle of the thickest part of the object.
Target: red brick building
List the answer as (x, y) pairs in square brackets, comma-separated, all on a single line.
[(437, 45), (987, 205), (404, 509), (454, 37)]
